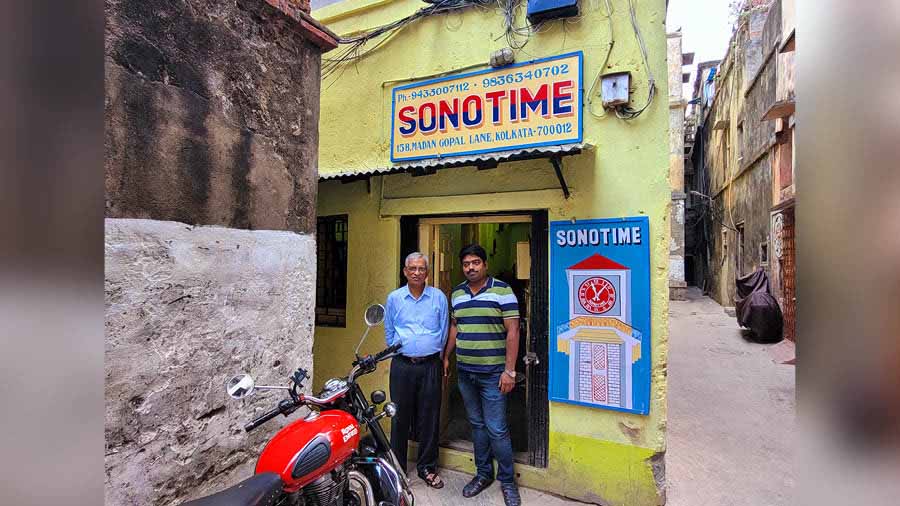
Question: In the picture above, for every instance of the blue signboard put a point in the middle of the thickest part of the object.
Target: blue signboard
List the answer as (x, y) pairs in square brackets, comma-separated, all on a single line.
[(600, 313), (524, 105)]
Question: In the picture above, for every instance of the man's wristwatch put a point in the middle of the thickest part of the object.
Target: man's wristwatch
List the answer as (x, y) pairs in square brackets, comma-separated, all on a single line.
[(511, 374)]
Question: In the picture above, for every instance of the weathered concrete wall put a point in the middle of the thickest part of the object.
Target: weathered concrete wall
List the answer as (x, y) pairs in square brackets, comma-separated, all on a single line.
[(186, 308), (748, 204), (212, 112), (211, 116), (737, 146), (754, 50), (677, 284)]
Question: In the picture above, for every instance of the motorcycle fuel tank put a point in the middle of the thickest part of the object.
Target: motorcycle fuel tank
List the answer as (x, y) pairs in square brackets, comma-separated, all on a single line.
[(305, 449)]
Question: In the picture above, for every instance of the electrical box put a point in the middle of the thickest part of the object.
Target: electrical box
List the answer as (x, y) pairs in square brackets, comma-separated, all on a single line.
[(614, 88), (542, 10)]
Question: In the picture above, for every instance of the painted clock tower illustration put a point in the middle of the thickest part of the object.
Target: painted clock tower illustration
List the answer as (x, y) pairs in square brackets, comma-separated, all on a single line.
[(598, 338)]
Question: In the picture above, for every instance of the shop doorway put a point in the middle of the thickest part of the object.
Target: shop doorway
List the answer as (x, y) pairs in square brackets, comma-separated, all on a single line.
[(516, 245)]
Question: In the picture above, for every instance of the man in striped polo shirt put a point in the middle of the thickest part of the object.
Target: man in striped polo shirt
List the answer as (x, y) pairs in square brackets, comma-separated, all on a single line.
[(484, 330)]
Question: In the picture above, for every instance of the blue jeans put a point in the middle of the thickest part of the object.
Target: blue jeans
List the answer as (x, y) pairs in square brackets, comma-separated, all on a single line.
[(486, 407)]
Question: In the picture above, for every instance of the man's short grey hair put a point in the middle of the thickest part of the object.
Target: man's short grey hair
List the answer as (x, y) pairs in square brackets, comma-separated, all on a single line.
[(415, 255)]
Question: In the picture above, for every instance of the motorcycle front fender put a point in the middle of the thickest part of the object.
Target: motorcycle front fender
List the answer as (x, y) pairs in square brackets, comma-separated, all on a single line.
[(388, 483)]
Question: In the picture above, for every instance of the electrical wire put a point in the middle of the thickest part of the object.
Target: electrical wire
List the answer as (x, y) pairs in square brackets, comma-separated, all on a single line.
[(356, 45), (612, 42), (517, 37), (511, 9), (627, 113)]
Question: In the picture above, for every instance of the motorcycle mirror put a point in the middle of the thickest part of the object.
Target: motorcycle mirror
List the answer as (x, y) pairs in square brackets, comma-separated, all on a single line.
[(378, 397), (374, 314), (240, 386)]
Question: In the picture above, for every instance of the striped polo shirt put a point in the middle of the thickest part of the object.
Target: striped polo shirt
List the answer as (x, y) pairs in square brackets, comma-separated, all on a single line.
[(481, 336)]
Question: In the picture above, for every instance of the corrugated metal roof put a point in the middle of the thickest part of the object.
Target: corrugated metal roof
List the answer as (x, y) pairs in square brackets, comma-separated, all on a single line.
[(432, 164)]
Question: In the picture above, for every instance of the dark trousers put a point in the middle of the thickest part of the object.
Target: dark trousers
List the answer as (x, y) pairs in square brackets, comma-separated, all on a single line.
[(486, 407), (416, 389)]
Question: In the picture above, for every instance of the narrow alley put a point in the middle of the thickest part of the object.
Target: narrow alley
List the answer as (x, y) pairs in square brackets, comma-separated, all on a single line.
[(731, 411)]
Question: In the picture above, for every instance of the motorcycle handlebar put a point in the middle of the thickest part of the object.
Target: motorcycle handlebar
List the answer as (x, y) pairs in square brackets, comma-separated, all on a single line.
[(287, 406), (366, 364), (284, 407), (262, 419), (383, 354)]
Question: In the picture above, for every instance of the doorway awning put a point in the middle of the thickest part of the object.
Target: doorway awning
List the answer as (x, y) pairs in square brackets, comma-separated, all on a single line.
[(480, 160)]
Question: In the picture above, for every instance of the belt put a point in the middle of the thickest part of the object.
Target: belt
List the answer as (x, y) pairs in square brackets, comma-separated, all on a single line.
[(419, 360)]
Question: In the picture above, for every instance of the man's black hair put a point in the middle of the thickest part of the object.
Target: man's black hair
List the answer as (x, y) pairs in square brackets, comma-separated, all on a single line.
[(473, 249)]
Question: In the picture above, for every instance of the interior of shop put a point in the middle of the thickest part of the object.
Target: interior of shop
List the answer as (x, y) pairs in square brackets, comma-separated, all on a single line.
[(507, 246)]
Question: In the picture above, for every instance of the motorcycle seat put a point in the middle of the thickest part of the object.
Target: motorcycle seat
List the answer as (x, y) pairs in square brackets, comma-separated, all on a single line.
[(260, 490)]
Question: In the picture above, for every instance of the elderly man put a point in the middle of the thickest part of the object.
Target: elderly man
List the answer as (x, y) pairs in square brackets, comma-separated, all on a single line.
[(416, 317)]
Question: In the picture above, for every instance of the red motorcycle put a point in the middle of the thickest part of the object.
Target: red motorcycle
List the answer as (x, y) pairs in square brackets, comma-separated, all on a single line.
[(322, 459)]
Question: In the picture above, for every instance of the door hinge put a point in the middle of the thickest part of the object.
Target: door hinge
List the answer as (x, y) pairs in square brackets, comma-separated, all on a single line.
[(531, 358)]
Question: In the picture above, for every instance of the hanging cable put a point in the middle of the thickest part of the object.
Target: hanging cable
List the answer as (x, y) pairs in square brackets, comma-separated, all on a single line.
[(356, 49), (612, 42), (356, 45), (625, 112)]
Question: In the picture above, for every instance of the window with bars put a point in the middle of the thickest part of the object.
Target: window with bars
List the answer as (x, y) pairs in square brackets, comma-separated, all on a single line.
[(331, 271)]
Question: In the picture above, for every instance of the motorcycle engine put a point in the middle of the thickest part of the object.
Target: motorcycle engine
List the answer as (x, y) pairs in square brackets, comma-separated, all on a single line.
[(327, 490)]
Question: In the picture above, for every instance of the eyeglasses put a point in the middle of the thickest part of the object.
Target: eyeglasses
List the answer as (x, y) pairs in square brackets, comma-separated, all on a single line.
[(417, 269)]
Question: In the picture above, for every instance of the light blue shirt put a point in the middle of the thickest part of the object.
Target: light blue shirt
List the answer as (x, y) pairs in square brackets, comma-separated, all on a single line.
[(420, 325)]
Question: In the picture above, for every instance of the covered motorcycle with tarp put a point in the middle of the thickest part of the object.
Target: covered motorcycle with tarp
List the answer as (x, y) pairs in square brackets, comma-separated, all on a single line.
[(757, 309)]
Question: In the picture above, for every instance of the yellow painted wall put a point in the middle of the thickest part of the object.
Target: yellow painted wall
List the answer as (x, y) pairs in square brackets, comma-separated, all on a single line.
[(595, 455), (373, 251)]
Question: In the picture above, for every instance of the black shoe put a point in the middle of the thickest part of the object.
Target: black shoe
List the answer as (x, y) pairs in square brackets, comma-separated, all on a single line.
[(510, 494), (476, 486)]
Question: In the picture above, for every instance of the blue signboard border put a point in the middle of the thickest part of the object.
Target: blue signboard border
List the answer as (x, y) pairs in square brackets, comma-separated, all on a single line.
[(417, 84), (646, 334)]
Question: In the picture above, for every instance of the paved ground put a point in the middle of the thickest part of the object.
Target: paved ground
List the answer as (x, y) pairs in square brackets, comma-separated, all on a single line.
[(731, 420), (451, 494), (731, 412)]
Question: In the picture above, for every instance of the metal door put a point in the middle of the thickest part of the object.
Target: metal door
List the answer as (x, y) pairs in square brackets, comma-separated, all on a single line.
[(537, 358)]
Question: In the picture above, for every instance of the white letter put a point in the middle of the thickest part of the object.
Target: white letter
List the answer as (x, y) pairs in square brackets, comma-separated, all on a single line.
[(582, 237), (560, 237), (636, 234), (605, 232), (594, 236), (570, 237)]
